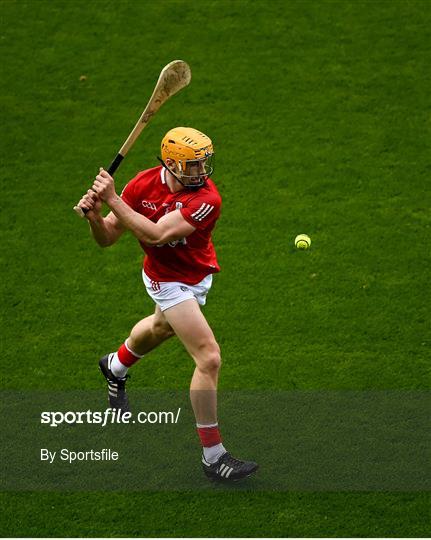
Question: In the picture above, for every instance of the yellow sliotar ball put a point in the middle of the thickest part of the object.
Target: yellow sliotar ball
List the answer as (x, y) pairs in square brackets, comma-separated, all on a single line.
[(302, 241)]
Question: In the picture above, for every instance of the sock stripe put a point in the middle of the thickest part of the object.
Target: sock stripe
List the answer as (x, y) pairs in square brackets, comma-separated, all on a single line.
[(209, 436), (132, 352), (126, 357)]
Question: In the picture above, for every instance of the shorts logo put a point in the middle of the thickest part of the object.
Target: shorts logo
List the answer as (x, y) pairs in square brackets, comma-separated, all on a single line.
[(155, 285), (184, 289), (150, 205)]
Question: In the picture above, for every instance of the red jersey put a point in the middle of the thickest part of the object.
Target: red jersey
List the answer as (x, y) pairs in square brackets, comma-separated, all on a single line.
[(187, 260)]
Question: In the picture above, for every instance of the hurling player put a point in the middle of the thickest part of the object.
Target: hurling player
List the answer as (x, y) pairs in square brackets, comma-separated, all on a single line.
[(172, 210)]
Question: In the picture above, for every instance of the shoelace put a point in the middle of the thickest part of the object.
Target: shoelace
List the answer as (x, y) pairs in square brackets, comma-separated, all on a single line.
[(120, 382), (231, 461)]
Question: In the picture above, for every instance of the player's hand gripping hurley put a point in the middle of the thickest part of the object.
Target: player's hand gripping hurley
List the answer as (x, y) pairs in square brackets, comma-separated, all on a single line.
[(173, 77)]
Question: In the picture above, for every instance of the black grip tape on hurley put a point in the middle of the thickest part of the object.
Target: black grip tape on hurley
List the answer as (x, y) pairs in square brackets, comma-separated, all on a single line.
[(110, 170)]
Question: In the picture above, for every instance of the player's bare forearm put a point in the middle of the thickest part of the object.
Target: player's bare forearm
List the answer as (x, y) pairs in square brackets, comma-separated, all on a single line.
[(106, 231), (103, 231), (170, 227), (140, 226)]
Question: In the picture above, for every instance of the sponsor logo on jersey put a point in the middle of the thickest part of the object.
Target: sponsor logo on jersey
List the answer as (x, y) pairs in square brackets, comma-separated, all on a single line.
[(182, 241), (150, 205)]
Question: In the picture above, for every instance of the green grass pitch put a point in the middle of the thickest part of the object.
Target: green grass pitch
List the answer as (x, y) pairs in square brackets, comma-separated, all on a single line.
[(320, 115)]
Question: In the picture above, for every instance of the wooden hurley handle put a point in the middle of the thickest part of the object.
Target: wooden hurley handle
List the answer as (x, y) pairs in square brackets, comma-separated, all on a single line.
[(173, 77), (111, 170)]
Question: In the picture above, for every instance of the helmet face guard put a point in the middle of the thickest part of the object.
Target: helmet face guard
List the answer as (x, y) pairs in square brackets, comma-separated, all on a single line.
[(194, 172)]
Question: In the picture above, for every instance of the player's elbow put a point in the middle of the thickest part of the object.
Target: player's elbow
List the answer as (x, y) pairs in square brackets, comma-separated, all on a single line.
[(158, 241), (106, 235), (104, 242), (149, 239), (107, 239), (150, 242), (155, 237)]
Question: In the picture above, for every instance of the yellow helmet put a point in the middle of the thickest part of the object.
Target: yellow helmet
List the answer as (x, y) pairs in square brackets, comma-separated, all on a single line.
[(192, 152)]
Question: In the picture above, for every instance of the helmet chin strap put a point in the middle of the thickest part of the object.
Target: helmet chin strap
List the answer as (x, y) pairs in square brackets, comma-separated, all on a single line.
[(191, 186)]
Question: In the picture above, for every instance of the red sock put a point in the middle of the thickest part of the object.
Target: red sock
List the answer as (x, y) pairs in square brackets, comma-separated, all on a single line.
[(126, 356), (209, 435)]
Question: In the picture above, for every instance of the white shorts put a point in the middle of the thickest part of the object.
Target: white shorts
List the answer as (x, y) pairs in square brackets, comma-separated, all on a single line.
[(167, 294)]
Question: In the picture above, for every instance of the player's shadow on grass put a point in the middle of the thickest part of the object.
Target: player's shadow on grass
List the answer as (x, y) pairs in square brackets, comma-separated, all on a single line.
[(253, 483)]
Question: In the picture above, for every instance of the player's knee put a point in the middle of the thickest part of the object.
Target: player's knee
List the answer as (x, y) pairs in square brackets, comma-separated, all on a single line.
[(162, 329), (209, 357)]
